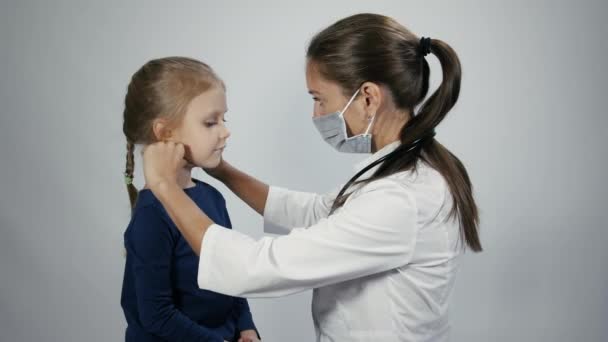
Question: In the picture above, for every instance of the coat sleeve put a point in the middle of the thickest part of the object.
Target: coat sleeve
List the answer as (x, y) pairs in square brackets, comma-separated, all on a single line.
[(286, 209), (374, 231)]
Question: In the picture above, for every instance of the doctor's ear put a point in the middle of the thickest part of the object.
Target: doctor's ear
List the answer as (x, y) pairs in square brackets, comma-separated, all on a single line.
[(373, 95), (161, 130)]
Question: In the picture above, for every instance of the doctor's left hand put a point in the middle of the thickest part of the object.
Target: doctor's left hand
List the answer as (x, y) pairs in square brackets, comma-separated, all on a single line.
[(162, 161)]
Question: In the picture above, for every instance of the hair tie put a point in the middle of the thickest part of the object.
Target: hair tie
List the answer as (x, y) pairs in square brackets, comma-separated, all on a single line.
[(422, 141), (128, 179), (425, 46)]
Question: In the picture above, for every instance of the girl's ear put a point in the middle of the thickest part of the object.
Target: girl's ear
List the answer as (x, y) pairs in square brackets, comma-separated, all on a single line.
[(161, 129)]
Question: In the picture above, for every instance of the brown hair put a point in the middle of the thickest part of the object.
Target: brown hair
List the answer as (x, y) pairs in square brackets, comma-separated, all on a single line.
[(161, 88), (375, 48)]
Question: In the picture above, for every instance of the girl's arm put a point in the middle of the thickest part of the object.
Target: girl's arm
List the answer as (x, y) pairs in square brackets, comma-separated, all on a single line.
[(241, 318), (244, 319)]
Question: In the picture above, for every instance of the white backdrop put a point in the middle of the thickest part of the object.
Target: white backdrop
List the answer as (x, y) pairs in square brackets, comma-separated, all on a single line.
[(530, 127)]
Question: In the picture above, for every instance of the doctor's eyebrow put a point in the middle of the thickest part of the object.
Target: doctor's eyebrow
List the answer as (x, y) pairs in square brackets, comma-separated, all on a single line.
[(313, 92)]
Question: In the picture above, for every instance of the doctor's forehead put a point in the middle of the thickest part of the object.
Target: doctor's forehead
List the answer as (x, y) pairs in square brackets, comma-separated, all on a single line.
[(317, 84), (314, 80)]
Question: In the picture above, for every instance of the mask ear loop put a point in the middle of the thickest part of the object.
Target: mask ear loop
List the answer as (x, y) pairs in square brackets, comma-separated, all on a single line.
[(371, 122), (349, 102)]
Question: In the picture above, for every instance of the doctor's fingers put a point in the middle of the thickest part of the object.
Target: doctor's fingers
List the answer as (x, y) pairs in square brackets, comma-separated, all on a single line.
[(173, 149)]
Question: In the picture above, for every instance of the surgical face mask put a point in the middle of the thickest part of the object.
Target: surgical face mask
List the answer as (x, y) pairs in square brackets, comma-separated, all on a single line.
[(333, 130)]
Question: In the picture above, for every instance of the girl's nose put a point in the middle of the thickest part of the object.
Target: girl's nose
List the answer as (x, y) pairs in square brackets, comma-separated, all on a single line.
[(226, 133)]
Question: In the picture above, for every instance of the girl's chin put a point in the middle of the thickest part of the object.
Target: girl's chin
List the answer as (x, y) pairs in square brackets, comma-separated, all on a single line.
[(211, 162)]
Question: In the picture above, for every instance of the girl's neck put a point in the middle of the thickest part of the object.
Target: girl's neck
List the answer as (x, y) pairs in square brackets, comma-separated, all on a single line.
[(184, 178)]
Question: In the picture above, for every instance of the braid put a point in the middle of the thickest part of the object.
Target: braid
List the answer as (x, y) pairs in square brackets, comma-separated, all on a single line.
[(130, 166)]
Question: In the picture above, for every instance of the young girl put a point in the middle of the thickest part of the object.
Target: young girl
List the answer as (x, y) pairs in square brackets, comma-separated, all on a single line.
[(181, 100)]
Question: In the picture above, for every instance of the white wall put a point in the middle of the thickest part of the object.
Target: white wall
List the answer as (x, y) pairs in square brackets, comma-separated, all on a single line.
[(530, 127)]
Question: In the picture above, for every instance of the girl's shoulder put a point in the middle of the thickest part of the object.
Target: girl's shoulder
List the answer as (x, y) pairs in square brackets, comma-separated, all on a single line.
[(209, 190), (150, 225), (149, 211)]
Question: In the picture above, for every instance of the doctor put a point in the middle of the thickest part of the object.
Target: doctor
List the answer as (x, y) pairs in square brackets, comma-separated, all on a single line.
[(382, 252)]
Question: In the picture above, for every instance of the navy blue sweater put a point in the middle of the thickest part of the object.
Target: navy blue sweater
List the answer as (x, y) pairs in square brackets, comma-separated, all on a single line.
[(160, 295)]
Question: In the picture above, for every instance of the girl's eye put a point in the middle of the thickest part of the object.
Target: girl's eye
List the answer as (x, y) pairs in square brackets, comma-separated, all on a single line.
[(213, 123)]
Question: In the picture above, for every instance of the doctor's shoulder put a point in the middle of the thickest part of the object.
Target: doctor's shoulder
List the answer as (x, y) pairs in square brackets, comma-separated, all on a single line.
[(422, 184)]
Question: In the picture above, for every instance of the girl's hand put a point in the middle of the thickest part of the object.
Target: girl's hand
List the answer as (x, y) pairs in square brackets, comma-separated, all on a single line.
[(249, 336), (162, 161), (248, 339)]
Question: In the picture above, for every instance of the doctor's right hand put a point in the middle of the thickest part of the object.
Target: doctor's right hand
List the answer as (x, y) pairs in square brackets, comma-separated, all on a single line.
[(162, 162)]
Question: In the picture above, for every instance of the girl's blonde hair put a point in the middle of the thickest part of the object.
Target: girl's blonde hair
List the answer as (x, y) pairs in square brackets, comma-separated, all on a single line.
[(161, 88)]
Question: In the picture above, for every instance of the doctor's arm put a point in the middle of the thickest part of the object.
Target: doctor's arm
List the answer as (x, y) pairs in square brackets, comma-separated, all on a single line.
[(374, 232), (249, 189), (282, 209)]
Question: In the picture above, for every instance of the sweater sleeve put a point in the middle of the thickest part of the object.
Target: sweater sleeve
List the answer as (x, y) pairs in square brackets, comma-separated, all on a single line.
[(243, 317), (241, 313)]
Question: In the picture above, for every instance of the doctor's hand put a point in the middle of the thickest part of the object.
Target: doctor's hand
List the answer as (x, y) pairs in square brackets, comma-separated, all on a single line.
[(162, 161), (219, 171)]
